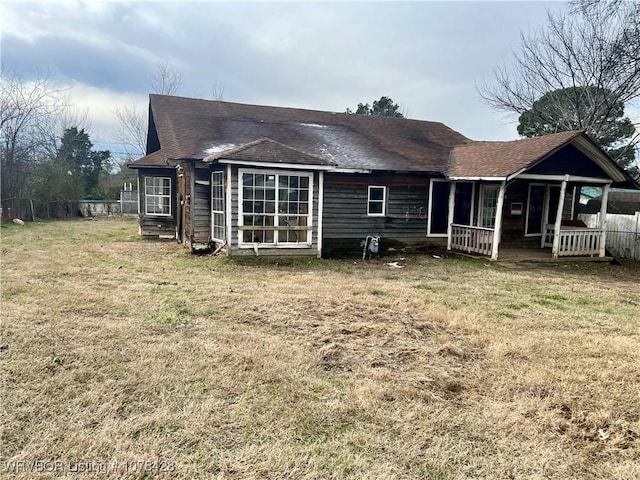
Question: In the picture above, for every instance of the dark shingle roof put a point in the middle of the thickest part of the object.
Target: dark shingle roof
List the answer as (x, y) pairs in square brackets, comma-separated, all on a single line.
[(500, 159), (189, 128), (195, 128), (155, 159)]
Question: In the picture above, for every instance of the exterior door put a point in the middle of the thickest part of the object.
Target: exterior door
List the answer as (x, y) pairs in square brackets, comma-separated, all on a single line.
[(488, 205), (542, 206)]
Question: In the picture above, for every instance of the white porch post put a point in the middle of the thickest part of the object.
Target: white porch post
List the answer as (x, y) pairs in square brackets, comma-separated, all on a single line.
[(603, 219), (452, 201), (556, 228), (497, 227)]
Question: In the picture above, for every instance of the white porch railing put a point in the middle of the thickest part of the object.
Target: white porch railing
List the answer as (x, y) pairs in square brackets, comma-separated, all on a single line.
[(575, 241), (471, 239)]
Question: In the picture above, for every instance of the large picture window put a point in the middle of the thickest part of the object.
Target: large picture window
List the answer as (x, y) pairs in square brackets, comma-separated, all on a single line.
[(275, 208), (157, 195), (217, 206)]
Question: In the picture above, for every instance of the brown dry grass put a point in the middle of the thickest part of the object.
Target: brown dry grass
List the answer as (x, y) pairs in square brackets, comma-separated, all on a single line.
[(118, 350)]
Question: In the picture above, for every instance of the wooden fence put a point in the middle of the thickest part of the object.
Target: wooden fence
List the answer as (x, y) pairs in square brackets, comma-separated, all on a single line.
[(623, 233)]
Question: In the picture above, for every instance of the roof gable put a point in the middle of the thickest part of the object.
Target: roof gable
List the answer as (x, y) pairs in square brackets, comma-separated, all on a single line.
[(568, 160), (265, 150), (501, 159)]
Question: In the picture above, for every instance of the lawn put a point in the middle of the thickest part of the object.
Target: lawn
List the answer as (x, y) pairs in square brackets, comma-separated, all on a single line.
[(134, 359)]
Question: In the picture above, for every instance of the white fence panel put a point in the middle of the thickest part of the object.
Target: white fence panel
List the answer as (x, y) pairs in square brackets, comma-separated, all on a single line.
[(471, 239), (623, 233)]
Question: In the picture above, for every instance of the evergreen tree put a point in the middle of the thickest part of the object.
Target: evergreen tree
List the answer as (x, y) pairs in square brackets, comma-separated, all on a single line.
[(595, 110), (385, 107)]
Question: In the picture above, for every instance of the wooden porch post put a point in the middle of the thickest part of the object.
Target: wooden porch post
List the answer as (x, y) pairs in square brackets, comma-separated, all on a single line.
[(452, 201), (497, 227), (556, 228), (603, 219)]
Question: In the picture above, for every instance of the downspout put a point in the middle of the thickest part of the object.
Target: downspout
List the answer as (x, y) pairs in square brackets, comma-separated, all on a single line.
[(320, 210), (192, 200)]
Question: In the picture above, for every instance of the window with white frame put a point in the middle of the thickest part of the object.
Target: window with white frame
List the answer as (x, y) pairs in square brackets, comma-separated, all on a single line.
[(275, 208), (217, 206), (376, 201), (157, 195)]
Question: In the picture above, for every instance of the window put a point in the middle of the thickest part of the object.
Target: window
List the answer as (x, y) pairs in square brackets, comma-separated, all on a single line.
[(276, 208), (488, 205), (376, 201), (217, 206), (157, 194)]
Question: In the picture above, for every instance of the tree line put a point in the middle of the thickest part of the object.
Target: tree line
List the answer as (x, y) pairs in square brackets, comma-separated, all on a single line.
[(46, 154), (47, 159)]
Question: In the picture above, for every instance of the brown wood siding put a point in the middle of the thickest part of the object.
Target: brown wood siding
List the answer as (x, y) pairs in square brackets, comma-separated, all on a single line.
[(345, 206), (186, 200), (202, 207), (155, 225), (234, 249)]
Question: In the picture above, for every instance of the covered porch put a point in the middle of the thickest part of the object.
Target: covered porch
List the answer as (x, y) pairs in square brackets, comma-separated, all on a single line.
[(525, 196), (528, 215)]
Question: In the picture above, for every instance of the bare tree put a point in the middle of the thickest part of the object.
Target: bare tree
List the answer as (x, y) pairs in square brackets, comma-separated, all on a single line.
[(167, 80), (592, 49), (28, 112), (132, 130), (217, 90)]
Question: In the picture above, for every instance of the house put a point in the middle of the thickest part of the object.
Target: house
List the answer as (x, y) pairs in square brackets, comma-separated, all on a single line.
[(279, 181)]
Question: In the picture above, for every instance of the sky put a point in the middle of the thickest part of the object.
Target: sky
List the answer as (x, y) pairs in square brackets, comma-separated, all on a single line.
[(429, 57)]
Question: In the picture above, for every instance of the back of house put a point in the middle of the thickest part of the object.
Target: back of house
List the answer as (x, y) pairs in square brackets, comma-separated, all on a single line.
[(282, 181)]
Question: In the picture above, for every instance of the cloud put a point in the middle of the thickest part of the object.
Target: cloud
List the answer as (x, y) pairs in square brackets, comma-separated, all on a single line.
[(427, 56)]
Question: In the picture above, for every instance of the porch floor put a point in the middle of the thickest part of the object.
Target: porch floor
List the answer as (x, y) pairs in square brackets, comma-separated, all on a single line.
[(536, 255)]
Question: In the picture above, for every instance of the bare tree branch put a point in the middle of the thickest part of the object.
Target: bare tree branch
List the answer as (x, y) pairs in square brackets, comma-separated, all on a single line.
[(167, 80), (29, 113), (132, 131), (217, 91), (589, 57)]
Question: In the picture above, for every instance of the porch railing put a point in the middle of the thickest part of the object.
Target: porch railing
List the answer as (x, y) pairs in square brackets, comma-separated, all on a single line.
[(471, 239), (575, 241)]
